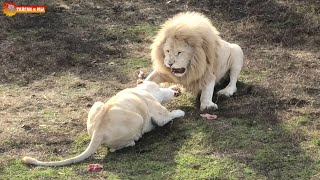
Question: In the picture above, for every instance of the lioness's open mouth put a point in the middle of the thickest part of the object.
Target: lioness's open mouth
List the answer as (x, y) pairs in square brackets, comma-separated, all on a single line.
[(178, 70)]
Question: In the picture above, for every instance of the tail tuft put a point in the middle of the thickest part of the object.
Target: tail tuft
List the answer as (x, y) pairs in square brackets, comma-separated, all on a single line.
[(29, 160)]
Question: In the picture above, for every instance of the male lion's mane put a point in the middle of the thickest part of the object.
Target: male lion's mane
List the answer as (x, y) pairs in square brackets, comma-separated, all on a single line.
[(196, 30)]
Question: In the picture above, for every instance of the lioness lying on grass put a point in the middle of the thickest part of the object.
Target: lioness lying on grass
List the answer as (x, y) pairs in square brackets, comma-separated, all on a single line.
[(123, 119)]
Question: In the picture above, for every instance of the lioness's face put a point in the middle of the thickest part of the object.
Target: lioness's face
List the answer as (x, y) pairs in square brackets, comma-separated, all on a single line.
[(178, 55)]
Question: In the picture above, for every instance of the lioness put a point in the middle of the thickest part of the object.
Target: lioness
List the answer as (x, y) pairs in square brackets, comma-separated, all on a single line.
[(123, 119), (189, 51)]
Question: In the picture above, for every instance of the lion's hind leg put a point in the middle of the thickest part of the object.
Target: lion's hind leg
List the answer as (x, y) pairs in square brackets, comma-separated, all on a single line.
[(236, 59)]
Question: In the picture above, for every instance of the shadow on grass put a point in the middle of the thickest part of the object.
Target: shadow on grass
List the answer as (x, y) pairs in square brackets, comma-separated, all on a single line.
[(272, 22), (256, 136), (248, 140), (249, 131), (153, 156), (76, 40), (37, 45)]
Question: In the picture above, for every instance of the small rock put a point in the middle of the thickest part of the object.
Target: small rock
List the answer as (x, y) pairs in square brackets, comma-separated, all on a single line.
[(63, 6), (80, 84), (26, 127), (195, 166)]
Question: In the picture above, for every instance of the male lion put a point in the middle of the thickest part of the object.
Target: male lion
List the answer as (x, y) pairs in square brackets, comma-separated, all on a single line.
[(122, 120), (189, 51)]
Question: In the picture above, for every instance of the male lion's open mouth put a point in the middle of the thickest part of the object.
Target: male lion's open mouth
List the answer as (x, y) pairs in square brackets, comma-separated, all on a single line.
[(178, 70)]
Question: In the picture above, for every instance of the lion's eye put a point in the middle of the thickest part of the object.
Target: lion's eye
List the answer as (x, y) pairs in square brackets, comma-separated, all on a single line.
[(167, 50), (179, 52)]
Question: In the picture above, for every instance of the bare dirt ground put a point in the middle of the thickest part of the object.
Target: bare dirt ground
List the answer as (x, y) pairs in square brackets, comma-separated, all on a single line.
[(54, 66)]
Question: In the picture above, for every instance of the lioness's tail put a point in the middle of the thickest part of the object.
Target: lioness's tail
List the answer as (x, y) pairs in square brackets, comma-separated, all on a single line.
[(92, 148), (96, 113)]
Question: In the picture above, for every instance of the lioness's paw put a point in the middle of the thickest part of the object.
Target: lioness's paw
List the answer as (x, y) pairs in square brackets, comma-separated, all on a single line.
[(177, 113), (228, 91), (176, 89), (208, 106)]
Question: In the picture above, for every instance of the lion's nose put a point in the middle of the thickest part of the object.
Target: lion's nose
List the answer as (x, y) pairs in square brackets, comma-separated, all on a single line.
[(171, 63)]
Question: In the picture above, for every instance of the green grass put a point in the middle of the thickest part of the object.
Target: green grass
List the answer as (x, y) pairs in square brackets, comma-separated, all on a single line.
[(249, 76), (17, 170), (50, 115), (146, 31), (189, 148), (133, 64), (135, 33), (55, 109)]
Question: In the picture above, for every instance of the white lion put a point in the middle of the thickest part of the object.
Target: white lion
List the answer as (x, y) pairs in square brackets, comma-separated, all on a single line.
[(122, 120), (189, 51)]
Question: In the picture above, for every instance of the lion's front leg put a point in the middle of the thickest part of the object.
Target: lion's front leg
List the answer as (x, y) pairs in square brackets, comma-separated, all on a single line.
[(161, 116), (154, 76), (207, 93)]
